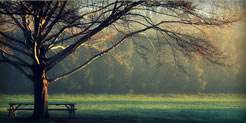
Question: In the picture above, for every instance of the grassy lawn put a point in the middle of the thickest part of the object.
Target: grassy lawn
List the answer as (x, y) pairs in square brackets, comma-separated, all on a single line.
[(139, 108)]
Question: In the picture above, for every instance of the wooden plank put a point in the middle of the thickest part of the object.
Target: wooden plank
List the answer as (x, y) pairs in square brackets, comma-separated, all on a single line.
[(48, 103), (61, 103), (48, 109), (22, 109), (70, 107), (15, 103), (63, 109)]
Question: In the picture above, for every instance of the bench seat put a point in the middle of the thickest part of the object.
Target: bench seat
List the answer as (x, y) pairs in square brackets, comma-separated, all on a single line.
[(70, 107), (48, 109)]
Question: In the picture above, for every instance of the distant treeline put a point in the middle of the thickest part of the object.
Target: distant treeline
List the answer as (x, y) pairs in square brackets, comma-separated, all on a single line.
[(128, 72), (107, 75)]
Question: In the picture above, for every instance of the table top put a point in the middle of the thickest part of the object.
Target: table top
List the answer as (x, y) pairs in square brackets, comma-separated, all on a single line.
[(51, 103)]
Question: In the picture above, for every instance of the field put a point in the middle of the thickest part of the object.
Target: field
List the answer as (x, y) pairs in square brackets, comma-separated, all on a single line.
[(139, 108)]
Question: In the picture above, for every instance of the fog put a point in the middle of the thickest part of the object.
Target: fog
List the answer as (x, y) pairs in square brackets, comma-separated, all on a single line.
[(124, 71)]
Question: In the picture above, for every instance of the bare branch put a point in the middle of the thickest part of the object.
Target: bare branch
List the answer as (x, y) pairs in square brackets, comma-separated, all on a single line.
[(98, 55), (60, 56), (15, 64), (22, 62), (54, 21), (49, 15), (15, 48), (13, 39), (17, 22)]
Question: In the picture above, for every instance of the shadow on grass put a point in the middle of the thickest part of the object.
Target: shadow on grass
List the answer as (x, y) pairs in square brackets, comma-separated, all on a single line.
[(140, 116), (141, 112), (57, 117), (94, 120)]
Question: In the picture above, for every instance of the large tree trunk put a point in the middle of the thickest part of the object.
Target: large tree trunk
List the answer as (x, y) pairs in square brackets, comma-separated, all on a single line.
[(40, 94)]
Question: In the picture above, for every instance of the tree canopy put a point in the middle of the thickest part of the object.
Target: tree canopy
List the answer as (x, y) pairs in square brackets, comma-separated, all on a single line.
[(51, 31)]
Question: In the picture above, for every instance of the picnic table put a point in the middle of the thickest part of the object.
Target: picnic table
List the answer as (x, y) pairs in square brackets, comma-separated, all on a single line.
[(15, 106)]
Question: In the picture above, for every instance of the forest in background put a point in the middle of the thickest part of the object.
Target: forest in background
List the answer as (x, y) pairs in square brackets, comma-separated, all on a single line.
[(134, 75)]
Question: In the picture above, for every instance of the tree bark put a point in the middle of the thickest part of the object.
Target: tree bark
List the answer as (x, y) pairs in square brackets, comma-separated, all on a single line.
[(40, 94)]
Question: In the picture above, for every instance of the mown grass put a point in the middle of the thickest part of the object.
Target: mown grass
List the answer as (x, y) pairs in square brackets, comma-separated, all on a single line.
[(143, 108)]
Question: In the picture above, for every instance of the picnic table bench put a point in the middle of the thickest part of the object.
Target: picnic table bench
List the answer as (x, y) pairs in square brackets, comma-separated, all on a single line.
[(15, 106)]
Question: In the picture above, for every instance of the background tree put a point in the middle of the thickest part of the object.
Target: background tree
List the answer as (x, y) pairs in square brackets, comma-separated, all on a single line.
[(53, 31)]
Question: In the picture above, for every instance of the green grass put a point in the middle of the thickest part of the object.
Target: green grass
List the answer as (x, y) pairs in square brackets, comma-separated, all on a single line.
[(143, 108)]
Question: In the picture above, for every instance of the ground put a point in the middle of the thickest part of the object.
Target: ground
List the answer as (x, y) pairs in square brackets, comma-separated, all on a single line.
[(173, 108)]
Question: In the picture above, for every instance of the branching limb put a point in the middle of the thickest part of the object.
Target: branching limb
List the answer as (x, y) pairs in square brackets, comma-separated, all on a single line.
[(15, 48), (61, 55), (15, 64), (49, 15), (22, 62), (98, 55), (58, 16), (13, 39), (17, 22)]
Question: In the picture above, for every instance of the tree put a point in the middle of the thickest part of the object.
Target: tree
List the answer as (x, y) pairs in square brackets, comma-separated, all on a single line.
[(52, 31)]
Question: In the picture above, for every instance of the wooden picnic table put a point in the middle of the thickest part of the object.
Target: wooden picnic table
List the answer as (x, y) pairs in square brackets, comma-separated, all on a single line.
[(15, 106)]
